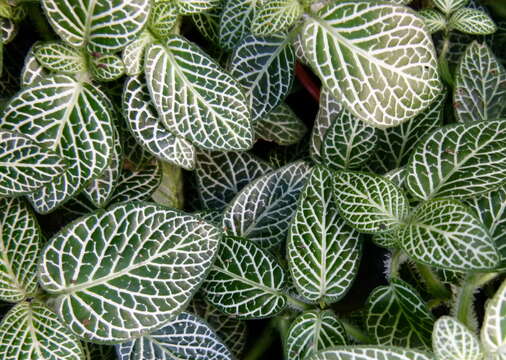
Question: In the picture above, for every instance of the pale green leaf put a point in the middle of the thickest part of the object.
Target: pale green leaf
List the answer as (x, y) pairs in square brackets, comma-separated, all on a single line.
[(382, 78), (133, 54), (60, 57), (275, 16), (162, 18), (371, 353), (32, 71), (453, 341), (151, 261), (471, 21), (434, 19), (235, 21), (388, 240), (493, 333), (7, 30), (170, 191), (188, 7), (281, 126), (449, 6), (108, 68), (137, 184)]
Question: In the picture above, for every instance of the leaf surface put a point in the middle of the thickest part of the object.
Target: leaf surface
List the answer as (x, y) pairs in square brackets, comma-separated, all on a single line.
[(453, 341)]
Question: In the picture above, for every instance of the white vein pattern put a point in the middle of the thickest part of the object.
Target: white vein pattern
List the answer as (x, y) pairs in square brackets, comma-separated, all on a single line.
[(311, 332), (459, 161), (32, 331), (275, 16), (369, 203), (147, 128), (398, 316), (71, 118), (449, 6), (98, 352), (186, 337), (59, 57), (281, 126), (162, 18), (100, 25), (208, 23), (221, 175), (245, 281), (493, 334), (188, 7), (235, 21), (20, 245), (371, 353), (8, 30), (32, 71), (471, 21), (376, 58), (195, 98), (451, 340), (434, 19), (323, 251), (133, 54), (480, 85), (25, 166), (125, 272), (263, 210), (137, 184), (447, 234), (107, 67)]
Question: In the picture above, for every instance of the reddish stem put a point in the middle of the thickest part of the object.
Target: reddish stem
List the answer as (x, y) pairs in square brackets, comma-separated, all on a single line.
[(307, 81)]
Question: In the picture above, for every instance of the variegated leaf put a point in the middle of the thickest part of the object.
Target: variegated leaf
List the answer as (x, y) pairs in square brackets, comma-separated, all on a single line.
[(59, 57), (447, 234), (369, 352), (276, 16), (458, 161), (451, 340), (263, 210), (162, 18), (7, 30), (449, 6), (150, 263), (98, 352), (245, 281), (434, 20), (108, 68), (323, 251), (281, 126), (493, 333), (235, 21), (138, 184), (471, 21), (133, 53), (208, 23), (188, 7), (32, 71), (196, 99)]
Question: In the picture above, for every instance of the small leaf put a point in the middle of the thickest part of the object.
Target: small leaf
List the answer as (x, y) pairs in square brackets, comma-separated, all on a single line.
[(137, 185), (188, 7), (108, 68), (32, 71), (434, 20), (453, 341), (369, 352), (162, 18), (493, 333), (449, 6), (281, 126), (245, 281), (235, 21), (59, 57), (275, 16), (133, 54), (471, 21), (7, 30)]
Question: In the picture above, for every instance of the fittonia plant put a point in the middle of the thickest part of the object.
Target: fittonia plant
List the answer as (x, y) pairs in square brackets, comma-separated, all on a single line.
[(407, 152)]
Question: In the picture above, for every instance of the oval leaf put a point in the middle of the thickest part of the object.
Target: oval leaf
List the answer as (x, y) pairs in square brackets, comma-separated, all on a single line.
[(275, 16), (235, 21), (137, 184), (471, 21), (60, 57), (371, 353), (281, 126), (453, 341), (493, 333)]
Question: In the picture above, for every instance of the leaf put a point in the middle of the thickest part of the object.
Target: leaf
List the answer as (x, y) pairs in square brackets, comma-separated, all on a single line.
[(281, 126), (458, 161), (275, 16), (98, 352), (434, 20), (449, 6), (323, 251), (235, 22), (480, 85), (208, 23), (150, 262), (103, 26), (385, 71), (446, 234), (162, 18), (398, 316), (369, 352), (262, 211), (221, 175), (108, 68), (369, 203), (137, 185), (20, 246), (25, 166), (453, 341), (143, 122), (471, 21), (31, 331), (32, 71), (170, 191), (59, 57), (188, 7), (493, 334), (216, 115), (265, 67), (71, 118), (7, 31), (133, 53), (245, 281), (186, 337)]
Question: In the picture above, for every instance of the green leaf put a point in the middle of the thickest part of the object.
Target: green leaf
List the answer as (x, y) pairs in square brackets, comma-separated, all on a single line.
[(32, 71), (453, 341), (275, 16), (245, 281), (7, 30), (59, 57), (471, 21), (32, 331), (369, 352), (208, 23), (71, 118), (265, 67), (235, 21), (143, 122), (216, 115), (162, 18), (221, 175), (133, 54), (493, 333), (98, 352), (434, 19), (369, 203), (458, 161), (188, 7), (447, 234), (186, 337), (382, 79), (150, 262), (398, 316), (449, 6), (20, 245), (108, 68), (313, 331), (103, 26), (137, 184), (480, 85), (323, 251), (281, 126), (25, 166), (170, 191), (263, 210)]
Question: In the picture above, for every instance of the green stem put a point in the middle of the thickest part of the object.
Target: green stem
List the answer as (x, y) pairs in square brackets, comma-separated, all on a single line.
[(263, 343), (355, 332), (434, 285), (396, 260), (297, 303), (444, 68)]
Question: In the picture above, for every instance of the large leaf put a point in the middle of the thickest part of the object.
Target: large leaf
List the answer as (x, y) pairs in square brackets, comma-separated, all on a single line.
[(262, 211), (100, 25), (371, 353), (479, 90), (275, 16), (186, 337), (264, 66), (32, 331), (311, 332), (453, 341), (446, 233), (196, 99), (493, 333), (376, 58), (120, 273), (25, 166), (245, 280), (459, 161), (370, 203), (20, 244), (235, 21), (323, 251), (397, 315), (71, 118), (281, 126)]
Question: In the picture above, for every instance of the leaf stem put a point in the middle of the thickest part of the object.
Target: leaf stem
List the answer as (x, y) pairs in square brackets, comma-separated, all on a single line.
[(263, 343), (300, 305), (307, 81), (444, 68), (396, 259), (355, 332), (434, 285)]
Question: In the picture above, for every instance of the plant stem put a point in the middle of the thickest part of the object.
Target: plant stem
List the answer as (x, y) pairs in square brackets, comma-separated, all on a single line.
[(263, 343), (434, 285), (297, 303), (355, 332), (444, 68), (396, 260), (307, 81)]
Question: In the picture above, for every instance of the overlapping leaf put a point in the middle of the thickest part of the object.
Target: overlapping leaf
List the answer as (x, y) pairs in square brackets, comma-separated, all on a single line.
[(449, 6), (7, 30), (60, 57), (471, 21), (281, 126), (371, 353), (32, 71), (453, 341), (98, 352), (434, 20), (162, 18), (108, 67), (133, 53), (275, 16), (137, 184), (120, 273), (187, 7), (235, 21), (208, 23), (493, 334)]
